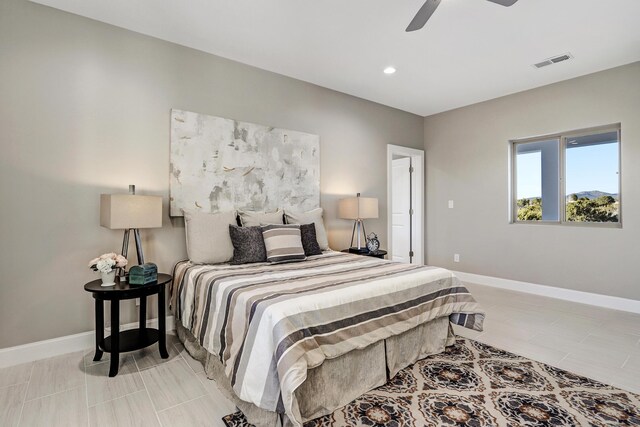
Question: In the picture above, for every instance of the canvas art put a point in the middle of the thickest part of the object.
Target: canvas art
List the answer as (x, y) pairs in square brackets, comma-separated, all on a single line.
[(220, 164)]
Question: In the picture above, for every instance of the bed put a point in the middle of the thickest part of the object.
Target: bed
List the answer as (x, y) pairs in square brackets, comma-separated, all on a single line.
[(292, 342)]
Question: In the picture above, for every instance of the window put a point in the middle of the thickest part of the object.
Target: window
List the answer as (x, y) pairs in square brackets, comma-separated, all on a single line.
[(570, 178)]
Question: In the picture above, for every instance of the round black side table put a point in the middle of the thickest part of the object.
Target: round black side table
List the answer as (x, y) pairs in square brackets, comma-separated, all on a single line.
[(133, 339), (378, 254)]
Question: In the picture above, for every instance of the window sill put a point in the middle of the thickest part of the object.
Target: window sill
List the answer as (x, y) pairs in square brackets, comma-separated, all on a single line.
[(571, 224)]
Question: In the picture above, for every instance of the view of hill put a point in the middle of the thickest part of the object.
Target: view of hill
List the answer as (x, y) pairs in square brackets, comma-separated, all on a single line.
[(593, 194)]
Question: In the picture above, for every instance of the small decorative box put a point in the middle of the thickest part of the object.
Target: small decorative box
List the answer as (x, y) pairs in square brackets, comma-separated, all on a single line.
[(143, 274)]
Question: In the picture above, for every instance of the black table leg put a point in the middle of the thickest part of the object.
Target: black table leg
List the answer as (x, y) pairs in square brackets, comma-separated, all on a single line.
[(99, 328), (162, 324), (143, 316), (115, 338)]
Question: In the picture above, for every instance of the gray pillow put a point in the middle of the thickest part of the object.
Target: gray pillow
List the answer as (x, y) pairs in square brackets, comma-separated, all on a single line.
[(309, 240), (313, 216), (253, 218), (248, 245), (208, 240), (283, 243)]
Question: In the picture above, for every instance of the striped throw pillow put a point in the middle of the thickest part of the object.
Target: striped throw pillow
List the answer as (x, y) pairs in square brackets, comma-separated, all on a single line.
[(283, 243)]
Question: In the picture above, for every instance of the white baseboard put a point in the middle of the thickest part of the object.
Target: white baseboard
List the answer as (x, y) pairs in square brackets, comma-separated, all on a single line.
[(48, 348), (606, 301)]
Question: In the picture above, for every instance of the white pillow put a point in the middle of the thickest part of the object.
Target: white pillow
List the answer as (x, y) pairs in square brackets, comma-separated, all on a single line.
[(208, 239), (312, 216), (253, 218)]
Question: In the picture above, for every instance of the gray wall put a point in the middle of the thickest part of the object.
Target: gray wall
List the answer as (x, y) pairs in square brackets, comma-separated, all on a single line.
[(84, 110), (467, 152)]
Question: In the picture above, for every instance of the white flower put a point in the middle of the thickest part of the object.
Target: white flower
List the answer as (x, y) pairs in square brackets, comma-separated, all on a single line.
[(105, 265), (121, 261), (106, 262)]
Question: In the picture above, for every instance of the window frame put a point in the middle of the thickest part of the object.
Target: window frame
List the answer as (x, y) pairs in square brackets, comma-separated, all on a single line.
[(562, 138)]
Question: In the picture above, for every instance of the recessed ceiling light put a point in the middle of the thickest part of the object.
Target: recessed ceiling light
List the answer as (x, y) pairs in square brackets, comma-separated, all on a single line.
[(389, 70)]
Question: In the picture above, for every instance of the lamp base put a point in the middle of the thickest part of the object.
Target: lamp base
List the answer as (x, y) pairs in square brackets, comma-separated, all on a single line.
[(358, 226), (359, 250), (122, 273)]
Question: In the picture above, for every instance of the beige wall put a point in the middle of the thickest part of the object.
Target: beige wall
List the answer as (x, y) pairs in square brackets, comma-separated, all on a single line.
[(84, 109), (466, 151)]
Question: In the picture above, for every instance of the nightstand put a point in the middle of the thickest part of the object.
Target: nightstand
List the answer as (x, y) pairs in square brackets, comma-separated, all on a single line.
[(133, 339), (378, 254)]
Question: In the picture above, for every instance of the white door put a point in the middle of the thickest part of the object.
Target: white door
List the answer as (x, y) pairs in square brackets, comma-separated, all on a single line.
[(400, 207)]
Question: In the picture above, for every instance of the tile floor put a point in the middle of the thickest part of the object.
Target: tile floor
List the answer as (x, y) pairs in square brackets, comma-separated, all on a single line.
[(595, 342), (72, 390)]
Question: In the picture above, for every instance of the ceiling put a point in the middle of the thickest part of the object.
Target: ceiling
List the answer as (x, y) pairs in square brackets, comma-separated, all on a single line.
[(470, 50)]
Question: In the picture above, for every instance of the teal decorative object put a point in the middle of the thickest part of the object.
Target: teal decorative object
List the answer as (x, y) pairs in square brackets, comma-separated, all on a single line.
[(143, 274)]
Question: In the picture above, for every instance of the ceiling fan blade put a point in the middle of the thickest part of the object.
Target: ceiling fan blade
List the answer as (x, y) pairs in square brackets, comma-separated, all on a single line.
[(423, 15), (504, 2)]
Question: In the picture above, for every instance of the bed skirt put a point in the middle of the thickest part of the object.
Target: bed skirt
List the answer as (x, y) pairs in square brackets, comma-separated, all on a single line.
[(337, 381)]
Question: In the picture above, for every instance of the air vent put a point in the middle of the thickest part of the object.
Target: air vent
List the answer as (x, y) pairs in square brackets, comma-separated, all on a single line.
[(554, 60), (542, 64), (560, 58)]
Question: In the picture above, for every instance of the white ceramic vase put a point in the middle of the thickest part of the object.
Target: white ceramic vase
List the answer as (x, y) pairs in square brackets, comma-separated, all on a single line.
[(108, 279)]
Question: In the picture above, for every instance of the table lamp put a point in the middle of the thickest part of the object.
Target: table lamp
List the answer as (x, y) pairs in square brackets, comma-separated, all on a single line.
[(130, 212), (358, 209)]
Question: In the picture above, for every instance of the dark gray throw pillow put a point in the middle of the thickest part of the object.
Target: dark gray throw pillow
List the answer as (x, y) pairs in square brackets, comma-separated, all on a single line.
[(309, 240), (248, 245)]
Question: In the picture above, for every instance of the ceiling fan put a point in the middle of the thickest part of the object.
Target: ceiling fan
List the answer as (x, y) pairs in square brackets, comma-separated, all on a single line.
[(430, 6)]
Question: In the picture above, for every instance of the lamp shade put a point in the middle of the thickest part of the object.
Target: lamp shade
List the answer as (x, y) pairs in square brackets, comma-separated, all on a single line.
[(123, 211), (358, 208)]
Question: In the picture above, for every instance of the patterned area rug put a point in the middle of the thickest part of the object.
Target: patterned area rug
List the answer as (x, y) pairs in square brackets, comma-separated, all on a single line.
[(473, 384)]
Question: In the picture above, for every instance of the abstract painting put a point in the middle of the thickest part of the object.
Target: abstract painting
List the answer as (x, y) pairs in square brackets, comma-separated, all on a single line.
[(220, 164)]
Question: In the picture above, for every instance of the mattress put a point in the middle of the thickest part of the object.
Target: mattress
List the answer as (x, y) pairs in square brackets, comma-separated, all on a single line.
[(270, 324)]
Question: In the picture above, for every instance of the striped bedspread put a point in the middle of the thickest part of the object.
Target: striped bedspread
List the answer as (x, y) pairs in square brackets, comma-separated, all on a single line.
[(269, 324)]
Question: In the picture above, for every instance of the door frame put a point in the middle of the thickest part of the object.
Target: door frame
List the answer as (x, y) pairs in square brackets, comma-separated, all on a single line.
[(418, 196)]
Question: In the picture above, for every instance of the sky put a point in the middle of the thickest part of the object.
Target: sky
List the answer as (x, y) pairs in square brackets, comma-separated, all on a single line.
[(588, 168)]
